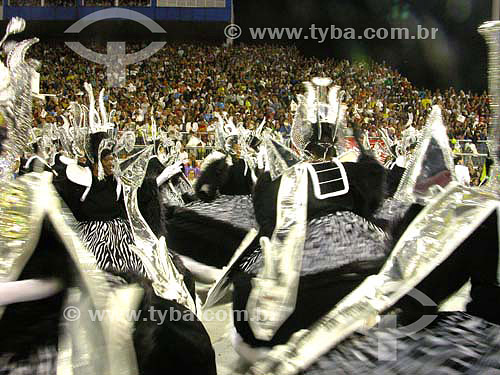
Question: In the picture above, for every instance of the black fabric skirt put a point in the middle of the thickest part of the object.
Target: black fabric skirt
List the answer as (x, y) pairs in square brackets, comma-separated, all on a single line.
[(341, 249), (210, 232), (455, 343)]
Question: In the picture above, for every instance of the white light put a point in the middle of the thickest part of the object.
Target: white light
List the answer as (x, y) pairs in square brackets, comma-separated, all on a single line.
[(321, 81)]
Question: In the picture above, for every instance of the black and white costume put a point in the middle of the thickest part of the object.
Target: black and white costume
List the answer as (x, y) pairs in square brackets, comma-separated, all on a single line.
[(454, 239), (332, 264), (103, 224), (341, 201), (46, 269), (210, 229)]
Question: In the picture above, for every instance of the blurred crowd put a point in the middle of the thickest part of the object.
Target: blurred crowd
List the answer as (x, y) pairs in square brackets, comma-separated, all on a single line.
[(72, 3), (182, 86)]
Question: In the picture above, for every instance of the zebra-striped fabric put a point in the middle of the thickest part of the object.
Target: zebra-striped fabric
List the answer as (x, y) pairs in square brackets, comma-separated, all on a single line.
[(109, 242)]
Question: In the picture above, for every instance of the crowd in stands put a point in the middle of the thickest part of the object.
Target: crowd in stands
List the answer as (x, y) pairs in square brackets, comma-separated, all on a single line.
[(72, 3), (98, 3), (184, 84), (24, 3)]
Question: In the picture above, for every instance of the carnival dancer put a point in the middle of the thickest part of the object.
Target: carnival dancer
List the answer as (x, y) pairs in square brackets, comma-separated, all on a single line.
[(317, 212), (207, 232), (45, 269), (435, 256)]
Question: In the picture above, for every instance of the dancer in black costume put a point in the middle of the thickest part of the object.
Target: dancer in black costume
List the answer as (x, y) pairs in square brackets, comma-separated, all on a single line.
[(98, 204), (342, 197), (43, 263), (453, 240), (210, 229)]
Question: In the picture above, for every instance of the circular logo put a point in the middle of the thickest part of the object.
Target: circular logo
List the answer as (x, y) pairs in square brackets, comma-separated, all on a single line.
[(387, 322), (71, 313), (232, 31)]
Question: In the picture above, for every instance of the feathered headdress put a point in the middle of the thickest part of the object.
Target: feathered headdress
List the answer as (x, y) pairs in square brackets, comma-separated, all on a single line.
[(101, 134)]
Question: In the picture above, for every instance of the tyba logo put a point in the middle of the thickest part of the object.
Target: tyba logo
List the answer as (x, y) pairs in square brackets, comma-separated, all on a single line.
[(115, 58)]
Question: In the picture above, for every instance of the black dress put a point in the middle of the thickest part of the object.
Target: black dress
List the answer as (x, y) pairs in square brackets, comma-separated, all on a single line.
[(455, 342), (210, 229), (103, 223), (342, 247)]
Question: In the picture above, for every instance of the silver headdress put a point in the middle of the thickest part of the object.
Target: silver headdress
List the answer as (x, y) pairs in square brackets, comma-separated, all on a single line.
[(96, 124), (431, 165), (320, 105), (99, 123)]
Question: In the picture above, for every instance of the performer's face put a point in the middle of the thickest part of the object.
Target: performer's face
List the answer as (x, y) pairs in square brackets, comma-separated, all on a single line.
[(237, 149), (107, 164)]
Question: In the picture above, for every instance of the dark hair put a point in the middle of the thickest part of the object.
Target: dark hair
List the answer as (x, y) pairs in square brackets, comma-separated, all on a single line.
[(36, 147), (95, 141), (105, 153), (3, 138)]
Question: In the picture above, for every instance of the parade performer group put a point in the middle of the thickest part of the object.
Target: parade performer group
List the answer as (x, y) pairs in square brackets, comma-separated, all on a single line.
[(317, 246)]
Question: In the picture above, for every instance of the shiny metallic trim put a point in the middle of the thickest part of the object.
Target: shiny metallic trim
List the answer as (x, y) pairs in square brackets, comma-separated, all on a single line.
[(273, 297), (84, 344), (168, 282), (435, 234), (434, 129)]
